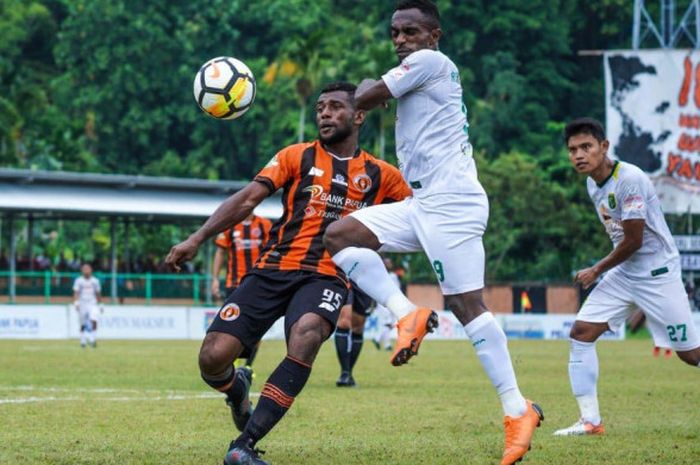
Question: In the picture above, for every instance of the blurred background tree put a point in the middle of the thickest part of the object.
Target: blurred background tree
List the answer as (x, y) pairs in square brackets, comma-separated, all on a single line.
[(105, 86)]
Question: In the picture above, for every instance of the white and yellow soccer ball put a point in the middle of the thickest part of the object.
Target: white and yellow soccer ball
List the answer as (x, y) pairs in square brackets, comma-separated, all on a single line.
[(224, 88)]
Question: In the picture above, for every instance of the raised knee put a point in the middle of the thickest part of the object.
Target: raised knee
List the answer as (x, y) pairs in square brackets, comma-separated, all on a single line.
[(210, 362), (333, 237), (310, 332), (692, 357), (586, 332)]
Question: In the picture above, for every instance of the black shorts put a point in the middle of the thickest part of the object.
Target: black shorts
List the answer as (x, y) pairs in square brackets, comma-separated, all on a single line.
[(362, 304), (264, 296)]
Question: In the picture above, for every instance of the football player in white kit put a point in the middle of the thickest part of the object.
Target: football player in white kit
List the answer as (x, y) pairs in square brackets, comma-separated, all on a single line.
[(643, 269), (86, 292), (446, 217)]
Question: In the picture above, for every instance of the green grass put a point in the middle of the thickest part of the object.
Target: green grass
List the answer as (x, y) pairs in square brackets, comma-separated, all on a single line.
[(440, 409)]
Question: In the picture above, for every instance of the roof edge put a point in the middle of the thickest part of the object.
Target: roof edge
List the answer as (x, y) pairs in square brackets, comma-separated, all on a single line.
[(25, 176)]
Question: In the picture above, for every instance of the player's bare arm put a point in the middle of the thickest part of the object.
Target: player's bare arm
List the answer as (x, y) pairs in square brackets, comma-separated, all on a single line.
[(371, 94), (216, 269), (634, 233), (234, 210)]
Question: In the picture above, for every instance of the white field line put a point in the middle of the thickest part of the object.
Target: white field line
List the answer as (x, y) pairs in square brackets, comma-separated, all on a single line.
[(94, 390), (151, 395)]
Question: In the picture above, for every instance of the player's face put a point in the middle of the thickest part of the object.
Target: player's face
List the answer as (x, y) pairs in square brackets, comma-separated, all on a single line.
[(410, 32), (336, 118), (86, 270), (586, 153)]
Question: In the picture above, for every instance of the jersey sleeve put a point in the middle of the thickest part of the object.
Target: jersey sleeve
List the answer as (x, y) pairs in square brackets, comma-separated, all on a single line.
[(633, 205), (278, 170), (222, 239), (76, 285), (395, 187), (414, 71), (98, 287)]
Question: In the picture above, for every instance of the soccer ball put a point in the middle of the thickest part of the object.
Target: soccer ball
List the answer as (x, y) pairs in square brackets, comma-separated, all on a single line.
[(224, 88)]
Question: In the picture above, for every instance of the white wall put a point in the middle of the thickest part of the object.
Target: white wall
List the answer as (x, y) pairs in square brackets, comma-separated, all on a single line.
[(155, 322)]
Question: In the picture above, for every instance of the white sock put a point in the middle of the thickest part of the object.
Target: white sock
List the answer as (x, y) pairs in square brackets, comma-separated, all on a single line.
[(583, 373), (83, 338), (365, 267), (491, 347)]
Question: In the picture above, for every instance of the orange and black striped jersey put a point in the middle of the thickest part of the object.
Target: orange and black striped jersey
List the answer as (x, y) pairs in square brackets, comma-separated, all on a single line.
[(318, 188), (243, 244)]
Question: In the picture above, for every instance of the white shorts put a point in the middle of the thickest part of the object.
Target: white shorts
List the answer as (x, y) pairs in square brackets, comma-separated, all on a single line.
[(662, 299), (88, 313), (448, 227)]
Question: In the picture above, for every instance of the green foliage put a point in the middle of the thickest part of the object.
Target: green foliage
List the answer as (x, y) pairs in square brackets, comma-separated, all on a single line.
[(105, 86)]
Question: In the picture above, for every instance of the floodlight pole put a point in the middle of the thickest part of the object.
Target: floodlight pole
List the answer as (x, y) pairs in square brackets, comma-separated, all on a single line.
[(13, 260), (30, 241), (207, 273), (113, 257), (666, 33)]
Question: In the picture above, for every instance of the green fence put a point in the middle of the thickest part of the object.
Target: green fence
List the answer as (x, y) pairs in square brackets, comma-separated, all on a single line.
[(47, 286)]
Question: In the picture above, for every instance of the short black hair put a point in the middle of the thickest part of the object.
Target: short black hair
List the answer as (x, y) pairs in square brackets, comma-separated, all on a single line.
[(589, 126), (427, 7), (341, 86)]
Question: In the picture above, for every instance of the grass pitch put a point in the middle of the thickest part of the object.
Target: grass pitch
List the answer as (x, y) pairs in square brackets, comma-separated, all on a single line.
[(143, 403)]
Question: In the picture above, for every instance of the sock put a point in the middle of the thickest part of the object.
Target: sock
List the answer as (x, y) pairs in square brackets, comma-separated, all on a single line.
[(253, 353), (83, 337), (91, 337), (357, 340), (343, 348), (491, 347), (277, 396), (366, 268), (230, 383), (583, 373)]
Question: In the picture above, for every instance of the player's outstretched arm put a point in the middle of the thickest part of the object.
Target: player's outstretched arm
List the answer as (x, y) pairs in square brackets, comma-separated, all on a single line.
[(370, 94), (234, 210), (634, 234)]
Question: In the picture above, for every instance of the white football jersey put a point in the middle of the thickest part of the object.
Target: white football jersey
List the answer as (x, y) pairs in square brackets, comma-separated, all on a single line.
[(628, 194), (432, 139), (87, 290)]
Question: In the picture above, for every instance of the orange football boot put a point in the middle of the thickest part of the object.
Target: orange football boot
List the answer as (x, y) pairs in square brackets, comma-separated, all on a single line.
[(519, 432), (411, 330)]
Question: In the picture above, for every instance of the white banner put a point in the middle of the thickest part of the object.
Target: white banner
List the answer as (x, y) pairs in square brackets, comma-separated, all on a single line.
[(690, 262), (136, 322), (201, 317), (143, 322), (687, 243), (520, 326), (543, 326), (653, 120), (33, 322)]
